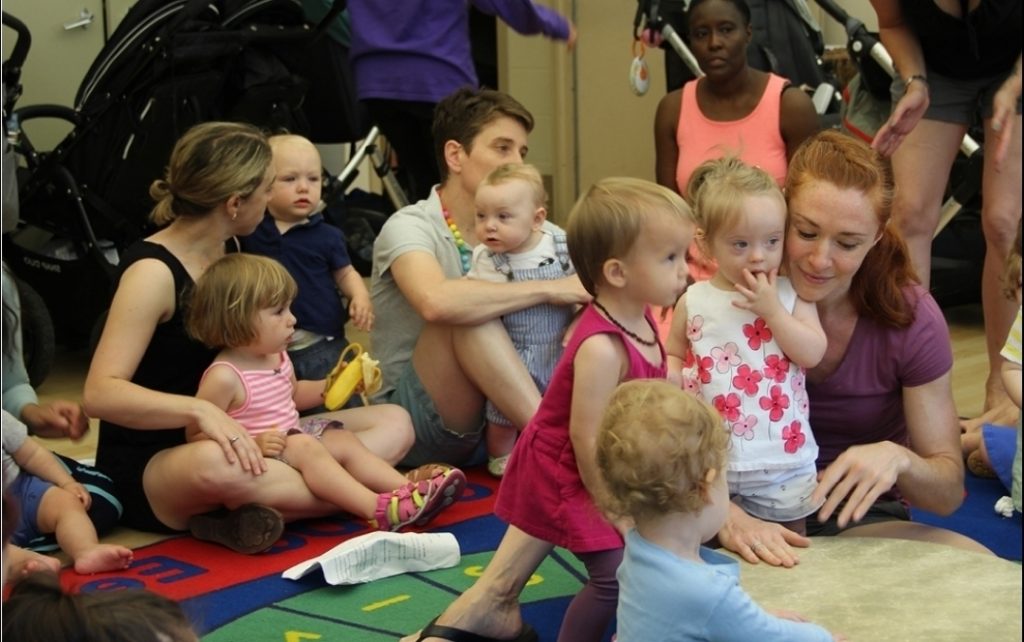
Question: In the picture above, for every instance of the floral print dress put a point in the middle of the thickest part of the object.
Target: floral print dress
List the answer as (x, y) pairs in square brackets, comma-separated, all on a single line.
[(734, 363)]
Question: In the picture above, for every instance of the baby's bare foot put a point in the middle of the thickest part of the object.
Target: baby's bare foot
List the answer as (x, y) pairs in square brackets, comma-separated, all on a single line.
[(103, 557), (38, 564)]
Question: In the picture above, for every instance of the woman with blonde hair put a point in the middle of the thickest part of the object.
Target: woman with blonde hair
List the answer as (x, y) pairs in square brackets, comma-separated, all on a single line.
[(146, 369)]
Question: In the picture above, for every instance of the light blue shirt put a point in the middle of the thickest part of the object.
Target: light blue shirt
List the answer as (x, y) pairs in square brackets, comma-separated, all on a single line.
[(664, 597)]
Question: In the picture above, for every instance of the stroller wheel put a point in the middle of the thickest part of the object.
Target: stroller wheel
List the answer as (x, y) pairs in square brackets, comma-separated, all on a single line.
[(37, 336)]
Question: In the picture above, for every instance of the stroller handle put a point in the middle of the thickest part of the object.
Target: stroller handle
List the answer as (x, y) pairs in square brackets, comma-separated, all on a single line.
[(12, 66), (648, 16)]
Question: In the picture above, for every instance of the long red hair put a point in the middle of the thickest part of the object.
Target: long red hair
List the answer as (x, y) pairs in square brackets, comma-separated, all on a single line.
[(878, 289)]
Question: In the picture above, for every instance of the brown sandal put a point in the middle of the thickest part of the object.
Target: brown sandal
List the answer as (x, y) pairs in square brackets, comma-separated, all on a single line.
[(426, 472), (979, 467), (251, 528)]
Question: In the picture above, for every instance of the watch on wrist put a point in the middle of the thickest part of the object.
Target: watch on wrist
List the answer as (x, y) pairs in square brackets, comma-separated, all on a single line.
[(918, 77)]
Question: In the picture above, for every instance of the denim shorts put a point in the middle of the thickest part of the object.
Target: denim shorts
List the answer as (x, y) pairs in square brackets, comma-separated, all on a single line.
[(316, 361), (434, 441), (956, 101)]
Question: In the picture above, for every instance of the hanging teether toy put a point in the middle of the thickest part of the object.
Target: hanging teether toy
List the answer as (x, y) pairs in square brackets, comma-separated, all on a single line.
[(355, 372), (639, 75)]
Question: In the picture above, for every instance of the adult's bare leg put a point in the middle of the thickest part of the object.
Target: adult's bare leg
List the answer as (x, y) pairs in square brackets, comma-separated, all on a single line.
[(384, 429), (491, 606), (491, 362), (926, 153), (195, 478), (898, 529), (461, 366), (1000, 215)]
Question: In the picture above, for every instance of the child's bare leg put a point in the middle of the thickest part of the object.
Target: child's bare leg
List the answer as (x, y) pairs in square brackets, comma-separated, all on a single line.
[(501, 439), (971, 441), (385, 429), (327, 478), (63, 514), (360, 462)]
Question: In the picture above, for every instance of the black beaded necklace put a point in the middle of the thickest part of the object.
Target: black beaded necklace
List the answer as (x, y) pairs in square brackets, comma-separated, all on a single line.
[(629, 333)]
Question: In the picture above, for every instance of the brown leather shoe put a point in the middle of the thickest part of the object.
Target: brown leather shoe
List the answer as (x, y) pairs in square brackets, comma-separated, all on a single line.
[(979, 467), (250, 528)]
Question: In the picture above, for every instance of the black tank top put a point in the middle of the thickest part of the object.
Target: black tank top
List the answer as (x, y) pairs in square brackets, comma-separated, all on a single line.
[(985, 42), (172, 363)]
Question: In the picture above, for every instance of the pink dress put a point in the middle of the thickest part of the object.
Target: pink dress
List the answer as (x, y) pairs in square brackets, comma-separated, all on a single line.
[(542, 493)]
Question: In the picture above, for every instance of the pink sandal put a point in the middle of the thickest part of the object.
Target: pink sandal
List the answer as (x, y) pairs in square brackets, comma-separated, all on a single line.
[(419, 502)]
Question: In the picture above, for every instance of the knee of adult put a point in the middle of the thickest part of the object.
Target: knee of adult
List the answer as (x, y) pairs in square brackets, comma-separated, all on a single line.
[(999, 225), (209, 467)]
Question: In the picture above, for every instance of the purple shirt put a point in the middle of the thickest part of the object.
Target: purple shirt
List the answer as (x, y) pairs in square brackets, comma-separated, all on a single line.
[(418, 50), (862, 401)]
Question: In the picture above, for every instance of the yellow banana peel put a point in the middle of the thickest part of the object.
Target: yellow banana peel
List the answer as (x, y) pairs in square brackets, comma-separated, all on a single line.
[(355, 372)]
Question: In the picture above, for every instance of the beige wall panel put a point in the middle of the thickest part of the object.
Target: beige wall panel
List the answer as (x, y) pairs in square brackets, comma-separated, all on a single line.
[(58, 59)]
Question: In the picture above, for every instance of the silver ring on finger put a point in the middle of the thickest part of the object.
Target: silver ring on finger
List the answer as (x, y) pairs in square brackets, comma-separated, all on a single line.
[(234, 439)]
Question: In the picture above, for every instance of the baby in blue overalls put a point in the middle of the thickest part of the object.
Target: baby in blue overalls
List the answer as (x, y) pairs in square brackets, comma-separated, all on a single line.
[(516, 242)]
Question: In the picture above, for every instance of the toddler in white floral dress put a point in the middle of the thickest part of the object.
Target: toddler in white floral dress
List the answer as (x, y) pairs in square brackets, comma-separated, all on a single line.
[(742, 340)]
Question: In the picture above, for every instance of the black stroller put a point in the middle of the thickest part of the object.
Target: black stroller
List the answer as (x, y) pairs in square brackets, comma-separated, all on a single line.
[(168, 66)]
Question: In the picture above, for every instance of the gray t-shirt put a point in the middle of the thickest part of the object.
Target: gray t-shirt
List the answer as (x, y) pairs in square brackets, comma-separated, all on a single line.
[(419, 227)]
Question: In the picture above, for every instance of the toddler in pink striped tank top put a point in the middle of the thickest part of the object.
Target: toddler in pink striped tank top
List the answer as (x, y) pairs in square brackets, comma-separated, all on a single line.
[(241, 305)]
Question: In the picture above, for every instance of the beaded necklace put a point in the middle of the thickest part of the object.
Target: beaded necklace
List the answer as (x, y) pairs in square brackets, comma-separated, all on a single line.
[(629, 333), (465, 253)]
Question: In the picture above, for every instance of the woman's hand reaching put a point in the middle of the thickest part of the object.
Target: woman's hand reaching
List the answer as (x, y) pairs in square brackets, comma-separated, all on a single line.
[(755, 540), (908, 112), (857, 478)]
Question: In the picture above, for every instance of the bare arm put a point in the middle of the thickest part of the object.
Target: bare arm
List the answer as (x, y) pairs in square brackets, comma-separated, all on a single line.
[(599, 366), (930, 474), (309, 393), (799, 334), (905, 49), (1004, 114), (145, 298), (221, 387), (439, 299), (678, 343), (360, 309), (666, 148), (34, 459), (798, 120)]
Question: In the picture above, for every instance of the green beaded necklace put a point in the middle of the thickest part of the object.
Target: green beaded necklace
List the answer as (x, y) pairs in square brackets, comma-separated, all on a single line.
[(465, 252)]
